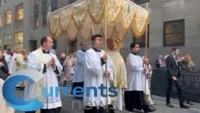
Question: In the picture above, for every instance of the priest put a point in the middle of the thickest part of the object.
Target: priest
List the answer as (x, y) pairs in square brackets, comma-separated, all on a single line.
[(78, 77), (47, 63), (134, 96), (96, 75), (119, 68)]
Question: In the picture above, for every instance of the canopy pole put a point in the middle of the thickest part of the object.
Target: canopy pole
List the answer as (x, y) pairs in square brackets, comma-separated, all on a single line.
[(146, 43), (105, 48)]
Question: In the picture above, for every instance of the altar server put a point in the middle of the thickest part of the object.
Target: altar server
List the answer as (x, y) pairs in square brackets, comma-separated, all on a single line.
[(134, 96), (95, 76)]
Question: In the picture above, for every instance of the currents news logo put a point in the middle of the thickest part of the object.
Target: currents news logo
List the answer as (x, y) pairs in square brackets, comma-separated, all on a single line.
[(10, 95), (21, 105)]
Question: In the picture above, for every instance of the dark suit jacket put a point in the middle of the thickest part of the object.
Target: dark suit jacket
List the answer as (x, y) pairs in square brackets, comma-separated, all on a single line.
[(172, 68)]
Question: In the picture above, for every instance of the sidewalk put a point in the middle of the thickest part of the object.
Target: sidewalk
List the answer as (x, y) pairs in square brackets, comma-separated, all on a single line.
[(174, 101)]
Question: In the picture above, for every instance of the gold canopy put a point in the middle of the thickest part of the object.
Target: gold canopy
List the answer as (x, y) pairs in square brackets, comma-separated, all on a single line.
[(87, 17)]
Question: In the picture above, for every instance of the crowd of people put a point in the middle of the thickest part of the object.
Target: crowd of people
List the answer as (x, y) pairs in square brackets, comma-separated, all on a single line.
[(12, 61), (94, 67), (185, 62)]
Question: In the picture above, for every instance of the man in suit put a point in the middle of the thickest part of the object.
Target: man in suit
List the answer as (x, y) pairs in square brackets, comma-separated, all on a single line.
[(173, 74)]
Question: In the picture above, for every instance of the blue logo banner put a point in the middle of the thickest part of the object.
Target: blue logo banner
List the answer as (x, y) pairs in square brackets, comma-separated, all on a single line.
[(9, 93)]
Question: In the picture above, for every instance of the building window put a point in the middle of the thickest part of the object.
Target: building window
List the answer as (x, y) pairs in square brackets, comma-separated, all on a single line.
[(8, 17), (7, 39), (36, 17), (72, 1), (54, 5), (141, 40), (19, 40), (174, 33), (0, 21), (8, 20), (44, 13), (20, 12), (141, 1)]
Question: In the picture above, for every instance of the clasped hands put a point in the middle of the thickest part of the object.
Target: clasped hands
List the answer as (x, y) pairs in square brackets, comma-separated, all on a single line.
[(51, 62)]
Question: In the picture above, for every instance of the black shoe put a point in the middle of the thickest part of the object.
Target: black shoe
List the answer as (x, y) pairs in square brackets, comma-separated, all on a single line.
[(129, 111), (152, 106), (170, 105), (184, 107), (149, 109), (189, 103)]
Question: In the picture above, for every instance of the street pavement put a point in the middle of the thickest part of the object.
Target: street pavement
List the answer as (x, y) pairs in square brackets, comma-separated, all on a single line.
[(73, 105)]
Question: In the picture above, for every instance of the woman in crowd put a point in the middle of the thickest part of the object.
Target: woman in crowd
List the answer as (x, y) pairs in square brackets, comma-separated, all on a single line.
[(73, 63), (3, 66), (67, 70), (187, 63)]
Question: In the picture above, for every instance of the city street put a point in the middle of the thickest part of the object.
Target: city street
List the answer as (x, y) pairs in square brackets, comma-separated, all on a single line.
[(72, 105), (147, 47)]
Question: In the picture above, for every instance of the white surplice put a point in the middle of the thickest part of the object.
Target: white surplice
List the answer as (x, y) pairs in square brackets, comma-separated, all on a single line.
[(79, 67), (135, 72), (147, 92), (12, 63), (7, 58), (50, 79), (94, 77)]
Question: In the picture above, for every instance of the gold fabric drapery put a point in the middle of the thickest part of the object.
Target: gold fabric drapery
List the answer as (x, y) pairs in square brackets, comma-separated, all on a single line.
[(87, 17)]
